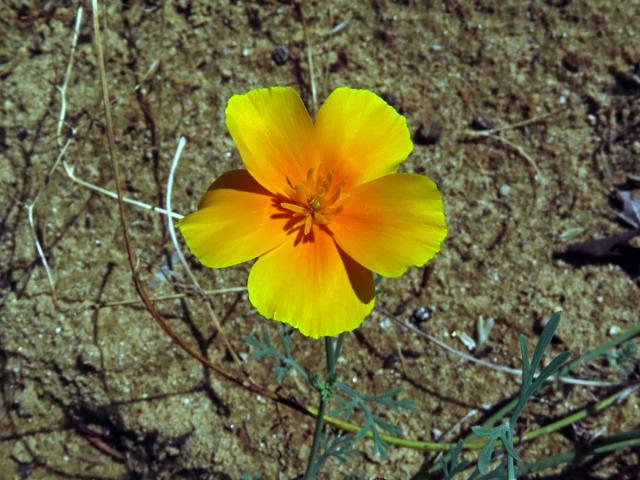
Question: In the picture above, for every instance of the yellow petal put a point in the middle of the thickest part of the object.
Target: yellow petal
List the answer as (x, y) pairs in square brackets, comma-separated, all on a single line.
[(392, 223), (273, 133), (313, 286), (234, 223), (361, 136)]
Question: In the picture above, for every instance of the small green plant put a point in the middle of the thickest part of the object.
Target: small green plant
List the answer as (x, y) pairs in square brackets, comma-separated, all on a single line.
[(286, 363), (372, 422), (350, 402), (503, 434), (497, 458)]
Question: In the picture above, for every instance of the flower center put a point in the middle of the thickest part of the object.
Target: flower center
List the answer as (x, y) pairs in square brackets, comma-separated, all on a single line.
[(314, 200)]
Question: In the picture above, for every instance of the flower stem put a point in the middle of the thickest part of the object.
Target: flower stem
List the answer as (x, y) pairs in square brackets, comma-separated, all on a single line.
[(311, 464), (332, 347)]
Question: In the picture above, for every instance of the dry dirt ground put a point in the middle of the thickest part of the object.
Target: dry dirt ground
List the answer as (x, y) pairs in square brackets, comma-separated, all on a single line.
[(96, 390)]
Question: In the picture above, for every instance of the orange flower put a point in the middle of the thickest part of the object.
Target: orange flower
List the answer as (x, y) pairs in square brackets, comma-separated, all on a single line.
[(320, 204)]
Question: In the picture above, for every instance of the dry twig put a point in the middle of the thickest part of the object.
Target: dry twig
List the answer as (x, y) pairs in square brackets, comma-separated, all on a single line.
[(492, 134), (123, 218)]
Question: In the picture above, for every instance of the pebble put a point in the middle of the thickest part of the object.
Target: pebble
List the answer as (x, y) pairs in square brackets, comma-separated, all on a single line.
[(428, 133), (479, 122), (504, 189), (421, 314), (280, 55), (614, 330), (469, 342), (571, 62)]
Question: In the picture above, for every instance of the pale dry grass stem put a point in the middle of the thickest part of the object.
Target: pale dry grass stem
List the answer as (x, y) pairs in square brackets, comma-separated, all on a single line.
[(493, 134), (174, 240), (484, 363), (62, 146), (172, 296), (69, 170), (312, 76)]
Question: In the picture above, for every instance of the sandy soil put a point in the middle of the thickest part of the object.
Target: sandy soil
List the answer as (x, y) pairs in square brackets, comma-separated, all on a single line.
[(95, 391)]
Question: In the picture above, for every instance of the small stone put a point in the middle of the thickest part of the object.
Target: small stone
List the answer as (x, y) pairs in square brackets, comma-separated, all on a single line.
[(468, 342), (421, 314), (280, 55), (614, 330), (504, 190), (571, 62), (172, 451), (428, 133), (480, 122), (627, 82), (23, 470)]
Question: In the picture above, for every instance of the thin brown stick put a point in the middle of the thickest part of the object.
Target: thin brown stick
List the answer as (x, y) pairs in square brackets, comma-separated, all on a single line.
[(174, 240), (123, 217)]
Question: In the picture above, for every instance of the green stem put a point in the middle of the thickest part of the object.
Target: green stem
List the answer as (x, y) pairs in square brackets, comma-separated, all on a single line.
[(569, 367), (332, 349), (576, 417), (477, 445), (470, 444), (601, 349), (311, 464), (604, 445)]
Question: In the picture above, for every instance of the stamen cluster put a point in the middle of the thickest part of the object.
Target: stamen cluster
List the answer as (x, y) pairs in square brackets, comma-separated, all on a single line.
[(315, 200)]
